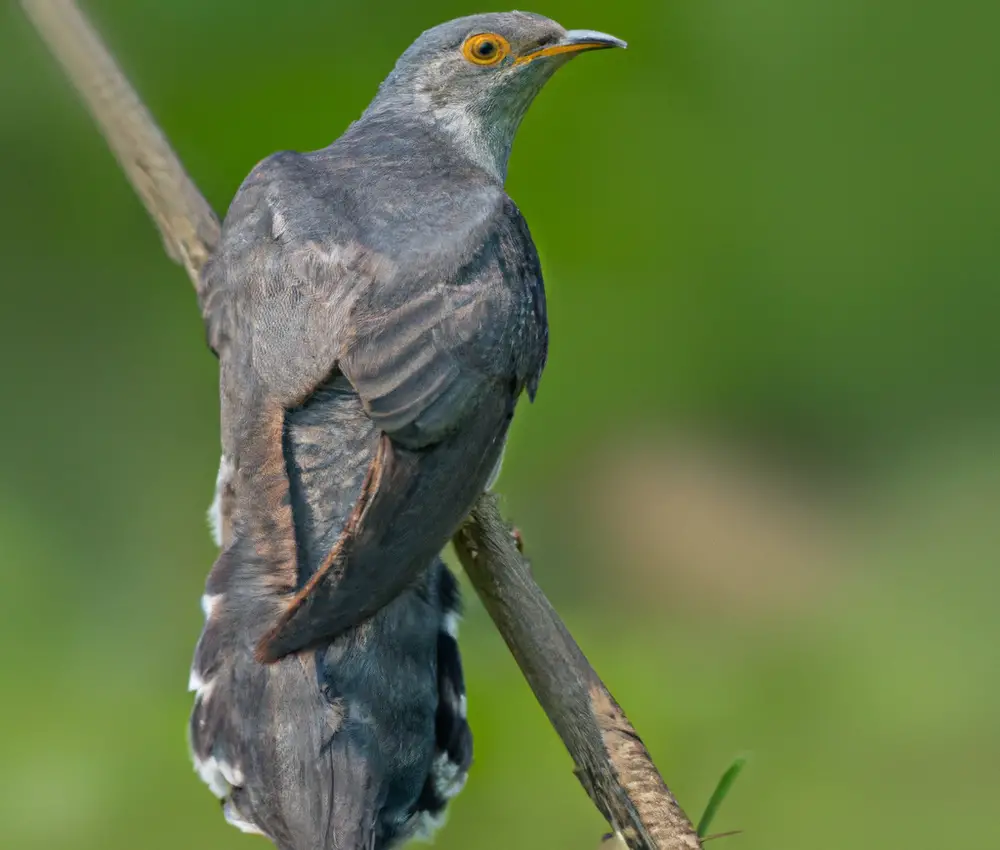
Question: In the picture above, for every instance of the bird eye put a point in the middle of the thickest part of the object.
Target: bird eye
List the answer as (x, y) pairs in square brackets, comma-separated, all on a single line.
[(486, 48)]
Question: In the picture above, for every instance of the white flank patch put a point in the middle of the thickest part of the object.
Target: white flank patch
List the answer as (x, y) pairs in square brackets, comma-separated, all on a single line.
[(195, 682), (463, 706), (215, 511), (199, 686), (209, 602)]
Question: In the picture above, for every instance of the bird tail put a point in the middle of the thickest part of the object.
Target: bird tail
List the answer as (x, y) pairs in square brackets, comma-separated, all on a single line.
[(265, 742), (453, 736)]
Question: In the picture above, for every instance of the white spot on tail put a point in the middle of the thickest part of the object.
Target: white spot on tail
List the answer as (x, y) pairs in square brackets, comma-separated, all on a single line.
[(212, 775), (220, 776), (449, 625), (232, 775), (448, 778), (234, 818), (423, 825)]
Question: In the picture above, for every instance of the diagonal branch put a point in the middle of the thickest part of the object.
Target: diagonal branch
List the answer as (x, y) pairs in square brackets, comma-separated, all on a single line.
[(611, 761), (189, 227)]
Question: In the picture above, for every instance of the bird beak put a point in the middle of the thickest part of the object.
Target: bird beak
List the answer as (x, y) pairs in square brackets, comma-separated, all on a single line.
[(574, 41)]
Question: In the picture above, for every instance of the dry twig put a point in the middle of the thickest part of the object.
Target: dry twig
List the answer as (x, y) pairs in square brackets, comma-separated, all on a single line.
[(611, 761), (189, 228)]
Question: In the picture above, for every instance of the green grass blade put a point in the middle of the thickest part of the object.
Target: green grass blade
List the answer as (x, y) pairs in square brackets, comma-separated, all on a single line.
[(721, 790)]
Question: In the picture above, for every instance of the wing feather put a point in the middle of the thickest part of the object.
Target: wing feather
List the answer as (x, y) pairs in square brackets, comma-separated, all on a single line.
[(438, 351)]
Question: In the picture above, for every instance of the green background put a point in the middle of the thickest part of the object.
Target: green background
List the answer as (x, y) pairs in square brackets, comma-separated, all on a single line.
[(761, 480)]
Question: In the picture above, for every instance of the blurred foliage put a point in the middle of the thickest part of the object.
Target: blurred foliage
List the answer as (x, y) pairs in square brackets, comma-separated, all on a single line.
[(761, 480)]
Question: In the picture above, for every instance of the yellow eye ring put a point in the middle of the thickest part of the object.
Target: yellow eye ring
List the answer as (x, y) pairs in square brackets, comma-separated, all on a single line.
[(487, 48)]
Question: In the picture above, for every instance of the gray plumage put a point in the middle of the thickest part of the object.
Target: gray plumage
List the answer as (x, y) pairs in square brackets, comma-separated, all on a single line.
[(377, 308)]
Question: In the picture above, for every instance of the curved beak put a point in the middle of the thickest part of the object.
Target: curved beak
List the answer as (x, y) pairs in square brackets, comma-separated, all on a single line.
[(590, 40), (574, 41)]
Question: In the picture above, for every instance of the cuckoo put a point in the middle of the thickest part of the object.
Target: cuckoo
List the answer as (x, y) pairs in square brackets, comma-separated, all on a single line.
[(377, 309)]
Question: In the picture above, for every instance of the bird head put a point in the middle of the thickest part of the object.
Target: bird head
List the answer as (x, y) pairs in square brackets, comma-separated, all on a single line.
[(475, 77)]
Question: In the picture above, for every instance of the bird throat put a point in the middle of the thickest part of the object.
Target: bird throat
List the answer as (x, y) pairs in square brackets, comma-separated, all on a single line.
[(480, 128)]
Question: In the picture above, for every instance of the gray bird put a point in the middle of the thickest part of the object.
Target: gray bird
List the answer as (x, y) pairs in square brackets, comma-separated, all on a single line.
[(377, 309)]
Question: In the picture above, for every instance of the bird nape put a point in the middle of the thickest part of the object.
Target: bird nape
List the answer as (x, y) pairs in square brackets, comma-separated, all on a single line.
[(377, 308)]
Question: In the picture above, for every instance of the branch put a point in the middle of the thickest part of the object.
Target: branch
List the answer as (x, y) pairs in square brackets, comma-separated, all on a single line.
[(611, 761), (189, 227)]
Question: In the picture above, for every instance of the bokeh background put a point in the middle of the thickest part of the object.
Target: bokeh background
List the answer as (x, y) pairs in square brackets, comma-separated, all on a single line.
[(761, 481)]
